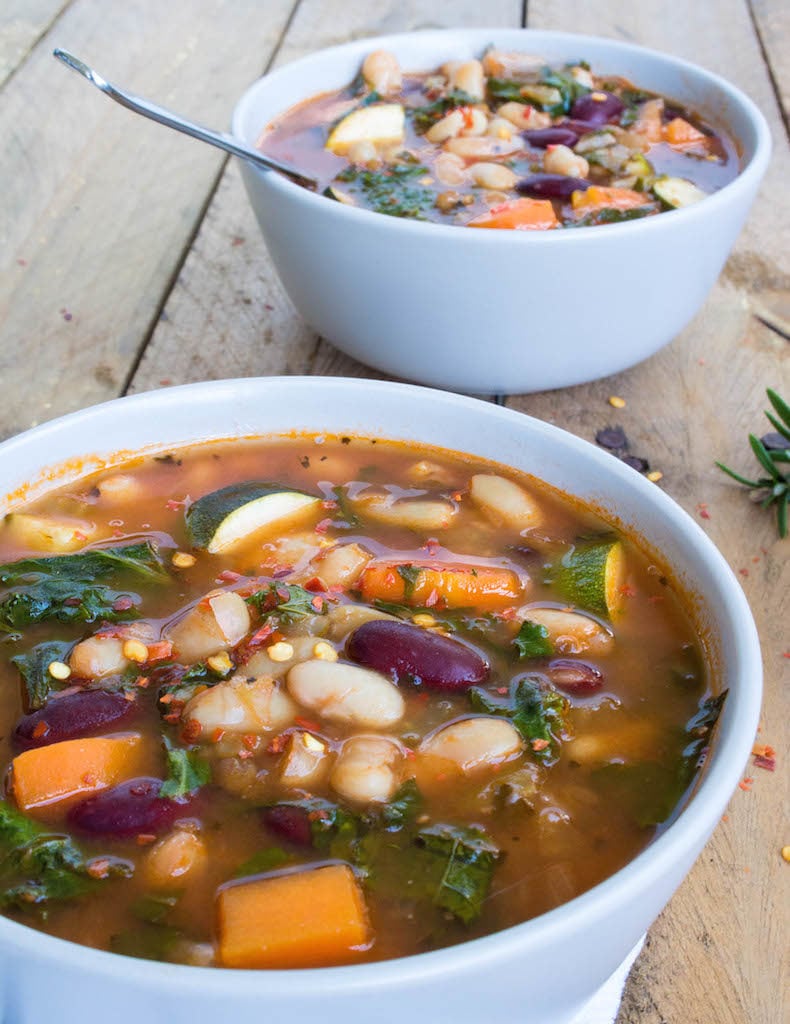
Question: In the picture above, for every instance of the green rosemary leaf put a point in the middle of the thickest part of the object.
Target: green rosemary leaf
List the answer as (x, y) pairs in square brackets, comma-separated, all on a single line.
[(763, 457), (782, 408), (737, 476)]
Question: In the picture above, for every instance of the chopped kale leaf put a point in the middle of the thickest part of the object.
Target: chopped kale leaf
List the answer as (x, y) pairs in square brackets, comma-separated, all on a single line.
[(88, 566), (287, 601), (392, 191), (409, 574), (261, 862), (187, 771), (535, 708), (533, 641), (460, 862), (424, 117), (34, 666)]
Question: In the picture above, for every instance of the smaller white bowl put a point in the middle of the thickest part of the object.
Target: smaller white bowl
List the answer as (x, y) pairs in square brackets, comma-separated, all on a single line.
[(499, 311)]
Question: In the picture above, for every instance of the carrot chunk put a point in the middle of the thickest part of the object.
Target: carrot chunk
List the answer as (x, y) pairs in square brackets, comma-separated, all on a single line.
[(597, 197), (520, 215), (467, 586), (680, 133), (311, 918), (46, 775)]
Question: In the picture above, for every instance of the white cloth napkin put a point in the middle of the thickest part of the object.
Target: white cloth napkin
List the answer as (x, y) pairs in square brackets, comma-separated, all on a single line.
[(605, 1004)]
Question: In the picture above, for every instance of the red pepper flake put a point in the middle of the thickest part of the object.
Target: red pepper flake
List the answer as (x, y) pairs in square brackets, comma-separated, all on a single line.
[(756, 559), (501, 690), (786, 654), (98, 868), (40, 729), (89, 779), (746, 784), (159, 651), (323, 525), (172, 505), (145, 839), (191, 731), (79, 535), (409, 754), (431, 546), (173, 718), (725, 818), (314, 584), (165, 381), (250, 741), (627, 590), (22, 262), (142, 682), (306, 723), (166, 698), (122, 604), (245, 755), (743, 572), (277, 745), (238, 240), (702, 510), (117, 533), (217, 735), (539, 744), (268, 305), (432, 598), (317, 603), (336, 590)]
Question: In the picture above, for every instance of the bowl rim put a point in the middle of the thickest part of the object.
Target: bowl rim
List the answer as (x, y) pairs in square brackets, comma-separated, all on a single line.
[(680, 838), (747, 179)]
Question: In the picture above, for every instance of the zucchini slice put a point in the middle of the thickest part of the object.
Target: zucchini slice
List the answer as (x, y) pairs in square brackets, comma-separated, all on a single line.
[(379, 123), (592, 577), (339, 197), (676, 192), (225, 519)]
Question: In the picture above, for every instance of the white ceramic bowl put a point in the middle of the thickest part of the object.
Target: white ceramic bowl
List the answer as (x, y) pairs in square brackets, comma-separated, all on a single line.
[(498, 311), (542, 970)]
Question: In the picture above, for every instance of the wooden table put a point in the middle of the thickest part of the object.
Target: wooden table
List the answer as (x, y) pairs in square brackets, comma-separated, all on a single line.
[(131, 261)]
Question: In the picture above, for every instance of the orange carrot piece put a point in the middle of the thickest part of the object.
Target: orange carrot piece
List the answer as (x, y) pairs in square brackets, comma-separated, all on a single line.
[(311, 918), (597, 197), (680, 133), (47, 775), (520, 215), (464, 586)]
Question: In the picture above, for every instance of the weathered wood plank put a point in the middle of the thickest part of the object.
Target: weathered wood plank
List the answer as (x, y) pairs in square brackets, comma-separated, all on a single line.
[(22, 23), (100, 205), (714, 955), (772, 18), (231, 290)]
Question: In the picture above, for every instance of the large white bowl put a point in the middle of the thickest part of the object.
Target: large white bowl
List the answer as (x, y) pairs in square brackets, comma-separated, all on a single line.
[(542, 970), (498, 311)]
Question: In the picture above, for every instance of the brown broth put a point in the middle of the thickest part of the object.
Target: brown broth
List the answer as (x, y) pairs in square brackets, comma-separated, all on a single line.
[(580, 823)]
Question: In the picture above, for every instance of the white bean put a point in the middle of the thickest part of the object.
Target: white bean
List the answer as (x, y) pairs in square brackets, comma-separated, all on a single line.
[(260, 664), (413, 514), (98, 656), (483, 147), (493, 176), (474, 744), (499, 128), (367, 769), (502, 64), (121, 488), (571, 632), (469, 78), (346, 693), (523, 116), (382, 72), (503, 501), (562, 160), (449, 169), (240, 705), (217, 622), (583, 76), (173, 859), (305, 761), (447, 128), (341, 566), (362, 152), (475, 122)]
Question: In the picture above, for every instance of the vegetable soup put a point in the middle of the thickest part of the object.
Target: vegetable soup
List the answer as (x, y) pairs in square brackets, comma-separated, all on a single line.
[(316, 701), (508, 141)]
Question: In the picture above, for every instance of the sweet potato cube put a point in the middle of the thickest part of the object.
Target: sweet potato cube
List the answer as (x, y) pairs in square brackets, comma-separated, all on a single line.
[(46, 775), (311, 918), (478, 586)]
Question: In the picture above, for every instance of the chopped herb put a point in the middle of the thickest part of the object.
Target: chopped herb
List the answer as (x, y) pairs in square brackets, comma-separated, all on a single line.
[(154, 908), (88, 566), (533, 641), (186, 771), (505, 89), (64, 601), (460, 862), (261, 862), (345, 508), (287, 601), (392, 191), (147, 941), (34, 669), (403, 807), (570, 89), (410, 574), (424, 117), (774, 488)]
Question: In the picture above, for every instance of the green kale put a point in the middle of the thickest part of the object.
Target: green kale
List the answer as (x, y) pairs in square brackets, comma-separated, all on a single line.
[(569, 88), (533, 641), (88, 566), (34, 666), (536, 709), (186, 771), (424, 117), (345, 508), (261, 862), (403, 807), (154, 908), (64, 601), (392, 191), (37, 868), (459, 865), (147, 941), (651, 791), (505, 89), (611, 216), (287, 601)]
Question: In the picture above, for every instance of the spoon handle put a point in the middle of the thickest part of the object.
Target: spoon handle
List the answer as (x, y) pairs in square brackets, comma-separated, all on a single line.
[(222, 140)]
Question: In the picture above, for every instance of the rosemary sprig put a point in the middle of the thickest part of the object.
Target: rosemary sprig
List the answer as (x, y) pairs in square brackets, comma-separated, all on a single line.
[(775, 487)]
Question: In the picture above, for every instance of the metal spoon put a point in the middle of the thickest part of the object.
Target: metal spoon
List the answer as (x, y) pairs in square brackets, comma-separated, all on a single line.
[(219, 139)]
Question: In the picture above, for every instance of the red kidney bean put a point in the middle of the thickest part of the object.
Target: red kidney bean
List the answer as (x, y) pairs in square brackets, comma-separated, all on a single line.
[(596, 110), (401, 650), (130, 809), (289, 823), (72, 716), (551, 186), (559, 135), (577, 677)]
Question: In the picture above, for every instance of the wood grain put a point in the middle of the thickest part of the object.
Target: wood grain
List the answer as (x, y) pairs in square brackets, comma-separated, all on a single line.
[(100, 205), (228, 285), (772, 18), (22, 23)]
